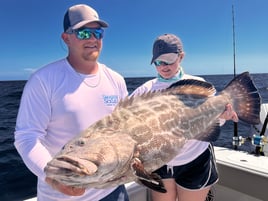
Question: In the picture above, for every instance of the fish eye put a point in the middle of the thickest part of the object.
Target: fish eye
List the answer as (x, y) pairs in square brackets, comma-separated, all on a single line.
[(81, 142), (67, 147)]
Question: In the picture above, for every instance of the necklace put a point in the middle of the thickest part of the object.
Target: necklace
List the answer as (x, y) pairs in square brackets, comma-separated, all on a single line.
[(83, 78)]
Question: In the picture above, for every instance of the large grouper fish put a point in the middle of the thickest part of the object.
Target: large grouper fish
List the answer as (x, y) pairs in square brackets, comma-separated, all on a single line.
[(145, 132)]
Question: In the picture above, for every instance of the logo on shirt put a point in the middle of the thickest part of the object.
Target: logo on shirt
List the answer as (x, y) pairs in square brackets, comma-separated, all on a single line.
[(110, 100)]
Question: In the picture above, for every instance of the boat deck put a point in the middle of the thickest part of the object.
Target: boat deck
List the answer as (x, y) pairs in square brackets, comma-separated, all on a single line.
[(242, 172)]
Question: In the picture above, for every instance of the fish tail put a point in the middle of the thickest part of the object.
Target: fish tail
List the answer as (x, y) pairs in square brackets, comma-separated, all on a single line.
[(245, 97)]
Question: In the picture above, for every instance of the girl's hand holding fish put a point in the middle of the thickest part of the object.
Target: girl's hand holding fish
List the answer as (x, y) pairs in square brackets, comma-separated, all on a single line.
[(229, 113)]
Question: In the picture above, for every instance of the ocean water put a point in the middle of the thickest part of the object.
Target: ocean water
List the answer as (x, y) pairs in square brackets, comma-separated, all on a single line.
[(18, 183)]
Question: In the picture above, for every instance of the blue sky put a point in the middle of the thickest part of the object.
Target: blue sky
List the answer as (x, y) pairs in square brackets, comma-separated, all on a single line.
[(31, 29)]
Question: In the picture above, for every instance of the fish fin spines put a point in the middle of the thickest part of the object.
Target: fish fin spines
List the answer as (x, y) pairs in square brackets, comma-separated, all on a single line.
[(192, 87)]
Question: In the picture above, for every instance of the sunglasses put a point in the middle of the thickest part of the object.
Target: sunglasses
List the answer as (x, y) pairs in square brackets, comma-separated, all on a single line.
[(162, 63), (86, 33)]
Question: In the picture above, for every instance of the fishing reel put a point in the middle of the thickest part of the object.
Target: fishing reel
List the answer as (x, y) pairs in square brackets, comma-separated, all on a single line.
[(238, 141), (259, 140)]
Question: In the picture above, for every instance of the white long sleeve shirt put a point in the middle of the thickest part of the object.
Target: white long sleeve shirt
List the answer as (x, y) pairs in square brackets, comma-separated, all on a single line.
[(56, 105)]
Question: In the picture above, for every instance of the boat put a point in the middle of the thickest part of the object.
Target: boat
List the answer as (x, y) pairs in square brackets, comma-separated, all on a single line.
[(242, 176)]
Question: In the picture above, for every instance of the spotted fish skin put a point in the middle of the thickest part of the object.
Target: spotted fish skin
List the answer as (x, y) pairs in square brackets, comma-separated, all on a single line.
[(145, 132)]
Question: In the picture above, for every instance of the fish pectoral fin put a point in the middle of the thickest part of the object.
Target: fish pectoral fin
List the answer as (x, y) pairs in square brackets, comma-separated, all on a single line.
[(155, 183), (152, 181), (211, 134)]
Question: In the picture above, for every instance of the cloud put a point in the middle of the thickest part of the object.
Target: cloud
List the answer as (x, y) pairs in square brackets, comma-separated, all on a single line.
[(30, 70)]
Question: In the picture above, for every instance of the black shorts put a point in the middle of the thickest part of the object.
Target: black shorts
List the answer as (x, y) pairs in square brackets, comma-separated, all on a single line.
[(194, 175)]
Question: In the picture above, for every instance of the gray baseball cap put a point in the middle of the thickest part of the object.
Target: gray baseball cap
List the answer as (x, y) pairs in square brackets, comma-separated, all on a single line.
[(167, 48), (79, 15)]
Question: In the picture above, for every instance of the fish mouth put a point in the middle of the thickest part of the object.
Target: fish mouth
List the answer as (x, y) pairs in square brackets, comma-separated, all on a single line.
[(70, 165)]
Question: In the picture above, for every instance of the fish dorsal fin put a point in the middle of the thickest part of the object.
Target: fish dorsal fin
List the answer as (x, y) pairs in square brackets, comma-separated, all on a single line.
[(152, 181), (130, 99), (192, 87)]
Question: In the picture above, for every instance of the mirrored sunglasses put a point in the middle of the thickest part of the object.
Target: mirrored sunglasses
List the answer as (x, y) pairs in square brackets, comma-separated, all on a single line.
[(161, 63), (86, 33)]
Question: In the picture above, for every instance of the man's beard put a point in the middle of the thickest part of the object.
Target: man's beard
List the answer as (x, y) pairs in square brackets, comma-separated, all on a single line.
[(92, 56)]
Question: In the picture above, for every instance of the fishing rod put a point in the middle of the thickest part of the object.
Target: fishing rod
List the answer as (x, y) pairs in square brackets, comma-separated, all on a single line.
[(260, 140), (257, 140), (235, 137), (264, 125), (233, 22)]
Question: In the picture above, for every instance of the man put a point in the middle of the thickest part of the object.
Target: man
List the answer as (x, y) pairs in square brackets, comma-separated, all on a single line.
[(65, 97)]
